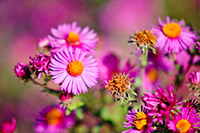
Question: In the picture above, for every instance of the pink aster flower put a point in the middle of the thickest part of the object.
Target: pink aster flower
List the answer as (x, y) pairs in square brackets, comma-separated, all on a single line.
[(173, 36), (40, 64), (53, 119), (187, 121), (74, 70), (22, 71), (8, 126), (139, 121), (161, 104), (71, 35)]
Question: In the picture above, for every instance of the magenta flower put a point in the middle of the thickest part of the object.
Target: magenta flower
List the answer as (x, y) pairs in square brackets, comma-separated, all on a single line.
[(8, 126), (194, 77), (139, 121), (161, 104), (71, 35), (173, 36), (74, 70), (187, 121), (40, 64), (111, 65), (52, 119), (22, 71)]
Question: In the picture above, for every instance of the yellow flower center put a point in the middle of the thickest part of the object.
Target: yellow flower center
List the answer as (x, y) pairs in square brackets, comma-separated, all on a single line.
[(153, 75), (54, 117), (140, 121), (183, 125), (172, 30), (75, 68), (73, 39)]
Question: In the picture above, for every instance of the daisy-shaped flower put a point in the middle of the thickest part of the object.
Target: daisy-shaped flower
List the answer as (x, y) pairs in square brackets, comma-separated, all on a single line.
[(71, 35), (74, 70), (53, 119), (188, 121), (173, 36), (161, 103), (138, 121)]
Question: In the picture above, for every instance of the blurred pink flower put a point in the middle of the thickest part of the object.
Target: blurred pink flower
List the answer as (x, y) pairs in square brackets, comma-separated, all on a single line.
[(125, 16), (53, 119), (8, 126)]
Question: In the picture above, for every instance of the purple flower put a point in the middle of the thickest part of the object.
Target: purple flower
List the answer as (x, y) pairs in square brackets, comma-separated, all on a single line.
[(8, 126), (40, 64), (173, 37), (71, 35), (52, 119), (139, 121), (186, 121), (22, 71), (161, 103), (74, 70)]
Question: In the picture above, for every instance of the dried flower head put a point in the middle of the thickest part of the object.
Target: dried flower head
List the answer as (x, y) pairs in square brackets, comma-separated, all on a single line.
[(119, 86), (143, 39)]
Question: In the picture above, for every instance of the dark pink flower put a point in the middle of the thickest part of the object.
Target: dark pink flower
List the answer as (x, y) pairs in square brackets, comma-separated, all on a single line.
[(22, 71), (40, 64), (188, 121), (139, 121), (162, 103), (8, 126)]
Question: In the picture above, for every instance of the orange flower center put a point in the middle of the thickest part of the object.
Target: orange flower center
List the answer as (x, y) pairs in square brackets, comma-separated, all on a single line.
[(54, 117), (140, 121), (73, 39), (144, 37), (172, 30), (153, 75), (183, 125), (75, 68)]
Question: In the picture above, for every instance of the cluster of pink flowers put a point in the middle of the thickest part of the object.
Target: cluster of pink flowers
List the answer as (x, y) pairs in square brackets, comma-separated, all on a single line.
[(67, 59)]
